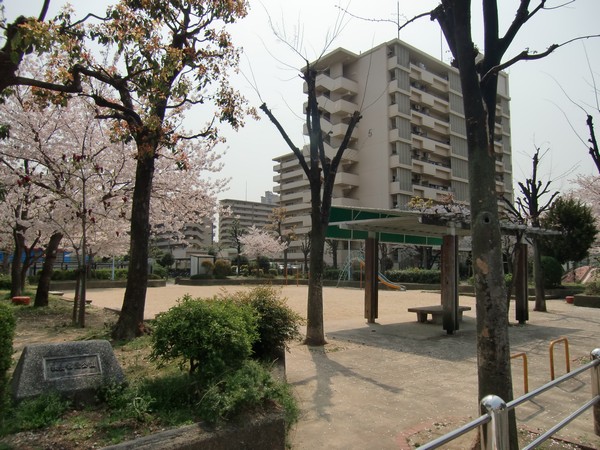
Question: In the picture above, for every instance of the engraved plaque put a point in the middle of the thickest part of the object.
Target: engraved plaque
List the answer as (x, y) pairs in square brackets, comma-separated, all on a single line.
[(71, 366)]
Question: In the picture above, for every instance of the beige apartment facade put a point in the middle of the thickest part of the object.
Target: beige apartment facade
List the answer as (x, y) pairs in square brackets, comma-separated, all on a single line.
[(409, 142)]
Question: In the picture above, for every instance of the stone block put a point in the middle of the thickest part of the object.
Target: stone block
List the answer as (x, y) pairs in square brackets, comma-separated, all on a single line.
[(73, 369)]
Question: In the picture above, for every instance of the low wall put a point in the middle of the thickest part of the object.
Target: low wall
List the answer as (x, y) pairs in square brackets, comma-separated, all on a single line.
[(99, 284), (589, 301), (250, 433)]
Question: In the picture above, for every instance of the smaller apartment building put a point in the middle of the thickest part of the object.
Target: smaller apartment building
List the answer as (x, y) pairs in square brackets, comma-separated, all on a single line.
[(411, 140), (247, 214)]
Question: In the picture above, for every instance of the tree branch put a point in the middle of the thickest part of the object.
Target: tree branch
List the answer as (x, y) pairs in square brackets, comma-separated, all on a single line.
[(286, 138), (526, 56)]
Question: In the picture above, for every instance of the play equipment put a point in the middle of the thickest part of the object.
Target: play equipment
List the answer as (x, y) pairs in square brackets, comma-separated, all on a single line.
[(381, 277)]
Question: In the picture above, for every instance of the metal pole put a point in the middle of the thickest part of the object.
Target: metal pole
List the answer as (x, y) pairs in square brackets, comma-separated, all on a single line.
[(596, 390), (495, 436)]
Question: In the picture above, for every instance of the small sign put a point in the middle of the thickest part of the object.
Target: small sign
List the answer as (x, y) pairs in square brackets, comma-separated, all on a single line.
[(71, 366)]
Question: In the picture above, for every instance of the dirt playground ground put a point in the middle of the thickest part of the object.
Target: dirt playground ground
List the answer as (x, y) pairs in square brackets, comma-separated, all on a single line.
[(399, 383)]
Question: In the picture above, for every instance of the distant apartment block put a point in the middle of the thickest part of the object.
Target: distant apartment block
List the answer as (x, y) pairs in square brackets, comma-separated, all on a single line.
[(197, 238), (246, 214), (411, 140)]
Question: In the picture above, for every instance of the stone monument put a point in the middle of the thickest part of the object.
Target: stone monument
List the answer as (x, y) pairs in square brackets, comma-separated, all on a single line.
[(73, 369)]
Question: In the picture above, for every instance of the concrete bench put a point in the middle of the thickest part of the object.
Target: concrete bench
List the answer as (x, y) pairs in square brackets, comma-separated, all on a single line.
[(436, 311)]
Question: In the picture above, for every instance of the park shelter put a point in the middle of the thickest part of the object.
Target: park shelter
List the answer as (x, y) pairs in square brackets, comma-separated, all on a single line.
[(441, 225)]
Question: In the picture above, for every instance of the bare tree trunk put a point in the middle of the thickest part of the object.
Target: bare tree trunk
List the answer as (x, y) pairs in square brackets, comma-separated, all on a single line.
[(41, 295), (16, 287), (538, 276), (131, 318), (315, 332), (493, 349)]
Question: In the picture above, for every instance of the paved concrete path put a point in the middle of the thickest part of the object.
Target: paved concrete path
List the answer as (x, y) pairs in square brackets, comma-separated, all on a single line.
[(384, 385)]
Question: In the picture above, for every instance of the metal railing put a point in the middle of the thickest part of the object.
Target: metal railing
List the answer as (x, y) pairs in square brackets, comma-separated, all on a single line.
[(496, 418)]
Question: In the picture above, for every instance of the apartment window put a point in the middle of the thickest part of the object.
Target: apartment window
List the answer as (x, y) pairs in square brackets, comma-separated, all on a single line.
[(392, 74), (393, 124), (392, 99), (393, 149)]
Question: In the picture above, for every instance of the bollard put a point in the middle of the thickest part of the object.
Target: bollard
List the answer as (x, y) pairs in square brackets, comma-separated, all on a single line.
[(525, 371), (495, 436), (596, 390), (567, 361)]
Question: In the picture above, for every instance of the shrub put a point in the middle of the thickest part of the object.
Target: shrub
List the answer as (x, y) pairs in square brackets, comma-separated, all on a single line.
[(593, 287), (414, 276), (208, 266), (222, 268), (277, 323), (552, 271), (331, 274), (159, 271), (5, 283), (245, 389), (7, 331), (273, 273), (39, 412), (201, 276), (211, 335)]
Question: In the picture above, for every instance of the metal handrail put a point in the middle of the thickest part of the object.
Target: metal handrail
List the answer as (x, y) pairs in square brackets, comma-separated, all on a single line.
[(498, 408), (482, 420)]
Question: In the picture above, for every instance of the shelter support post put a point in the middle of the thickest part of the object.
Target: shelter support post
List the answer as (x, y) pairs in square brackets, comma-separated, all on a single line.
[(371, 292), (520, 284), (450, 283)]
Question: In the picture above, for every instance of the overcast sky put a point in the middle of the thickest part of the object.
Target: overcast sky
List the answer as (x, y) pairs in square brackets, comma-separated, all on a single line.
[(538, 105)]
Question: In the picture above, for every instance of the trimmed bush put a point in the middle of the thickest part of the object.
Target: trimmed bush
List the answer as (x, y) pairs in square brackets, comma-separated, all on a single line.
[(158, 272), (552, 272), (222, 268), (7, 332), (212, 336), (202, 276), (414, 276), (331, 274), (208, 266), (277, 323)]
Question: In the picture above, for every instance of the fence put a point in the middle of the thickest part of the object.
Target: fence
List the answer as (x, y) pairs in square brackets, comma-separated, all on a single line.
[(496, 419)]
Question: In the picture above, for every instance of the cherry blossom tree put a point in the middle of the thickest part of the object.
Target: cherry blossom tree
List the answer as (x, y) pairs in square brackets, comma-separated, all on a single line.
[(85, 176), (257, 242), (166, 57)]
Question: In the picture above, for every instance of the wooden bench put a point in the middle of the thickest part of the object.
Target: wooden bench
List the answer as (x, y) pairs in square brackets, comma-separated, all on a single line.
[(436, 312)]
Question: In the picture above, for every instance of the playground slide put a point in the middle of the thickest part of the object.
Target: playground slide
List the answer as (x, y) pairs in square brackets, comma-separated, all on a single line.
[(383, 280)]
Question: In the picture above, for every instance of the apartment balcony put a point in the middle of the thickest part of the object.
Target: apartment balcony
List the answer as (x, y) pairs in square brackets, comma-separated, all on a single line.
[(340, 107), (345, 201), (428, 122), (335, 131), (428, 100), (340, 85), (349, 157), (346, 180), (421, 139), (434, 169), (397, 188), (419, 72)]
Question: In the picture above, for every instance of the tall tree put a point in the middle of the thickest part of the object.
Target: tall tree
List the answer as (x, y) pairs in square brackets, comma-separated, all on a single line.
[(529, 208), (578, 225), (236, 233), (166, 57), (320, 169), (84, 176), (479, 84)]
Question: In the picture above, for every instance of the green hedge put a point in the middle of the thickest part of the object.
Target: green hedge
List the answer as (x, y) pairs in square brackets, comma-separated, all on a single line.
[(5, 283), (422, 276), (7, 331)]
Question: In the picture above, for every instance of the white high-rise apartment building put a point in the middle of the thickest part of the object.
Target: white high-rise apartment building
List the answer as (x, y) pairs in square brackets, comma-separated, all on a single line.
[(410, 141)]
